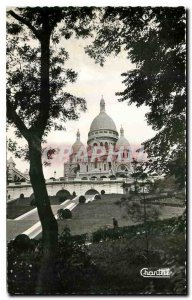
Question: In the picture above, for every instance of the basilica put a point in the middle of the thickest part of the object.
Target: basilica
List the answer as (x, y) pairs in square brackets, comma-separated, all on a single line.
[(106, 155)]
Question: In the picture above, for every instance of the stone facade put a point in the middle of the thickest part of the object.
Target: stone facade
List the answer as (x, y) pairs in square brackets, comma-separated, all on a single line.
[(13, 174), (107, 155)]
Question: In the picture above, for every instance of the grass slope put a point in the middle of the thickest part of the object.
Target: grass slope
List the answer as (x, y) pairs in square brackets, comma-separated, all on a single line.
[(19, 206), (89, 217)]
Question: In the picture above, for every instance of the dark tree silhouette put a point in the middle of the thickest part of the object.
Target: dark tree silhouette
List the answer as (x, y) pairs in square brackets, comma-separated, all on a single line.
[(154, 39), (37, 101)]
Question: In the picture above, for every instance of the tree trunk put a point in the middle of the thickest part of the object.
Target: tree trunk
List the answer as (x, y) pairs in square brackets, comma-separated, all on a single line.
[(49, 224)]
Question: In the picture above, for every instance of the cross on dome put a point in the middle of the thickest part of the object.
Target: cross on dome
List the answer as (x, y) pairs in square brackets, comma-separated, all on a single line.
[(121, 131), (102, 105), (78, 135)]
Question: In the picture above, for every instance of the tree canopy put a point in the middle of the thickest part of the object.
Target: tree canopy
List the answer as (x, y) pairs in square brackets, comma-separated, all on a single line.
[(29, 110), (37, 100), (154, 39)]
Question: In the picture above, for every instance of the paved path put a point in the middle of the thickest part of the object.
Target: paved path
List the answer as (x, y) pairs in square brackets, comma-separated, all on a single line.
[(29, 223)]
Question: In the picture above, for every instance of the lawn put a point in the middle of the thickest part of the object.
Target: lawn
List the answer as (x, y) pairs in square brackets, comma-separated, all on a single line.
[(89, 217), (19, 206)]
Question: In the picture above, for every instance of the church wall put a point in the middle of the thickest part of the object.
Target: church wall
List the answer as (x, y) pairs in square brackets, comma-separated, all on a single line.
[(80, 187)]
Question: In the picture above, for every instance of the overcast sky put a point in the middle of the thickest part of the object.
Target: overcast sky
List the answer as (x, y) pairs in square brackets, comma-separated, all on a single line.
[(94, 81)]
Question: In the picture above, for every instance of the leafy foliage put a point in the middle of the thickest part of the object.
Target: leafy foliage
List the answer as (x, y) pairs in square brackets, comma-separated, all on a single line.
[(25, 33), (37, 100), (135, 211), (154, 39), (158, 227), (74, 259), (24, 257)]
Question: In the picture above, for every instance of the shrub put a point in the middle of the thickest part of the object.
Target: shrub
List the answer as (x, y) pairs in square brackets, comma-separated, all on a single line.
[(73, 259), (33, 202), (122, 201), (67, 214), (97, 197), (64, 214), (159, 227), (107, 234), (82, 199), (22, 242), (23, 266), (102, 192), (60, 213), (22, 196)]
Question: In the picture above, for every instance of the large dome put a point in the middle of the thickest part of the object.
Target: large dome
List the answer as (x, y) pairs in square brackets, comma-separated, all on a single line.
[(102, 121)]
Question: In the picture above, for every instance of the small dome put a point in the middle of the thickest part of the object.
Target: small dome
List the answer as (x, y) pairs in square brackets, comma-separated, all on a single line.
[(122, 141), (78, 144), (102, 121)]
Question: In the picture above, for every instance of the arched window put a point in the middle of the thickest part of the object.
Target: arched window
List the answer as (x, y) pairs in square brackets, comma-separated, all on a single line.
[(122, 167)]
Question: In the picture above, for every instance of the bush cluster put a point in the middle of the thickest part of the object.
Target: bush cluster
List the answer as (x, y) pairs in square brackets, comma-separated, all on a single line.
[(74, 195), (73, 268), (82, 199), (97, 197), (64, 214), (172, 225)]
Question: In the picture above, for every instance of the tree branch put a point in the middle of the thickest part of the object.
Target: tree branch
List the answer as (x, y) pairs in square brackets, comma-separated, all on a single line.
[(24, 21), (13, 116)]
